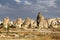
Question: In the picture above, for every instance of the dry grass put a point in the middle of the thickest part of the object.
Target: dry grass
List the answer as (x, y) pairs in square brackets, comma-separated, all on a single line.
[(39, 37)]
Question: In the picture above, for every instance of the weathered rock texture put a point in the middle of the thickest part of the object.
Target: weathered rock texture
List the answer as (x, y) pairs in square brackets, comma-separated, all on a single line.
[(6, 22), (40, 22)]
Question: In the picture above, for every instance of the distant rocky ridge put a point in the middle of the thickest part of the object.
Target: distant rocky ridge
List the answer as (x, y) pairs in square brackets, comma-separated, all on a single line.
[(40, 22)]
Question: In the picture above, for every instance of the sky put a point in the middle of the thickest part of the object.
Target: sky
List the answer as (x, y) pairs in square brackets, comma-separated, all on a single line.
[(29, 8)]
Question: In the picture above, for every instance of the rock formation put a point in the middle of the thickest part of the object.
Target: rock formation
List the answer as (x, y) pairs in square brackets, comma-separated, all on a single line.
[(29, 28), (18, 22), (54, 24), (26, 23), (33, 24), (38, 19), (41, 22), (6, 22)]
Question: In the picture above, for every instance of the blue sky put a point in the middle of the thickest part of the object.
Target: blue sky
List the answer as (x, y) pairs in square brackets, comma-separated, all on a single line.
[(29, 8)]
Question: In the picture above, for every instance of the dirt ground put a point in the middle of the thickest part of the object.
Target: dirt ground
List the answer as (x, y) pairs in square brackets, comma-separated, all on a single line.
[(45, 37)]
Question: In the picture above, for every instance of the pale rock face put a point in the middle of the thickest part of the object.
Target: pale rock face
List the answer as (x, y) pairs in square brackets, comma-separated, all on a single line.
[(6, 26), (18, 22), (50, 20), (11, 22), (54, 24), (43, 24), (0, 22), (27, 22), (42, 21), (6, 22), (33, 24), (58, 22), (58, 19), (19, 26)]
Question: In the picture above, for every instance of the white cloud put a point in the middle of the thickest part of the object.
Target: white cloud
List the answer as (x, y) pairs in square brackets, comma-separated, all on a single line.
[(50, 3), (44, 5), (27, 3), (0, 5), (5, 9), (4, 6), (18, 1)]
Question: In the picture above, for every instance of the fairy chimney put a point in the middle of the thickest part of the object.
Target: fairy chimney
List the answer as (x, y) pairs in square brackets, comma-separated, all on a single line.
[(33, 24), (18, 22), (39, 18), (26, 22), (6, 22), (41, 22)]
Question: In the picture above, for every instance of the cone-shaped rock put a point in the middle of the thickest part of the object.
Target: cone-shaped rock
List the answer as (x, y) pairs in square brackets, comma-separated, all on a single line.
[(39, 18), (33, 24), (6, 22), (26, 22), (41, 22), (18, 22)]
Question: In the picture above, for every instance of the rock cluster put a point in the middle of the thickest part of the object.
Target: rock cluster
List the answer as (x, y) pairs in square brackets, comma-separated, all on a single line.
[(47, 22), (40, 22), (53, 22), (28, 27)]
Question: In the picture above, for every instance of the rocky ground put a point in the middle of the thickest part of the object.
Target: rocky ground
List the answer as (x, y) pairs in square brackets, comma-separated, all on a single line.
[(43, 34)]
